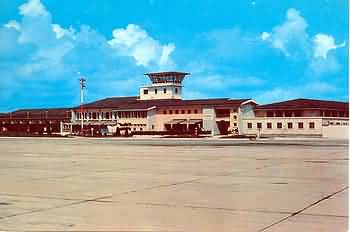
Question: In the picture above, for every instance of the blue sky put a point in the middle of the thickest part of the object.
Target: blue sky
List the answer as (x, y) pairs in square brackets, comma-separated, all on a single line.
[(268, 50)]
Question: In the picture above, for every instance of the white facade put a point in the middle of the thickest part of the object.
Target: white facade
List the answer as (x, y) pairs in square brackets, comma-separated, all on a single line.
[(296, 126), (161, 91)]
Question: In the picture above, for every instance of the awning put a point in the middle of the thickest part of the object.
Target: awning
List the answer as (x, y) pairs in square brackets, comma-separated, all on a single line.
[(191, 121), (176, 121)]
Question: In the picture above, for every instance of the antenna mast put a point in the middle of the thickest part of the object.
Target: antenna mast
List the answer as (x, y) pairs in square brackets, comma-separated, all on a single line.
[(82, 86)]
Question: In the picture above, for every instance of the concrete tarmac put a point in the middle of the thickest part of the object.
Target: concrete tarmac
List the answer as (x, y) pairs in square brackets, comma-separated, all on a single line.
[(82, 184)]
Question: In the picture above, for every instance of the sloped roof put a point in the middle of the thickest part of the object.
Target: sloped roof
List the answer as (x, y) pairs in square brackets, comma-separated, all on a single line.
[(45, 113), (135, 103), (302, 103)]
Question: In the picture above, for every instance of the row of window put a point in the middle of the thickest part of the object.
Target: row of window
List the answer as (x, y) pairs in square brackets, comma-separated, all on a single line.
[(166, 79), (299, 113), (279, 125), (139, 124), (338, 123), (28, 122), (145, 91), (111, 115), (195, 111)]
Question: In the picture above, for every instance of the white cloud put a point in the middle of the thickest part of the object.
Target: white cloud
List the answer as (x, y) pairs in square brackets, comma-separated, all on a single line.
[(167, 50), (292, 39), (61, 32), (128, 37), (13, 24), (37, 53), (265, 35), (290, 35), (323, 44), (33, 8), (135, 42)]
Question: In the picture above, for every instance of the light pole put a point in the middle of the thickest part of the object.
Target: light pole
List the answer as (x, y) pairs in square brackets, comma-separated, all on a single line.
[(82, 86)]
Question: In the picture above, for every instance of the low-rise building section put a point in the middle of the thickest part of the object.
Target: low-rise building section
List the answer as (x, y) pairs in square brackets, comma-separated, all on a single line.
[(160, 108), (298, 117)]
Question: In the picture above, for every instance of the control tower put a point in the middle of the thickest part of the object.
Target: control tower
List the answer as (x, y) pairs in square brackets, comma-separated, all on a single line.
[(165, 85)]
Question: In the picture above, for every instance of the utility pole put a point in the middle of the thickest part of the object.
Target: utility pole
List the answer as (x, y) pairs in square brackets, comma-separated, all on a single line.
[(82, 86)]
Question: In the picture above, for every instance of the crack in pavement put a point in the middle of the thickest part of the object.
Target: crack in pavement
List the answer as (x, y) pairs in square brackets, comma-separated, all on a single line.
[(98, 199), (303, 209), (210, 208), (162, 186), (41, 197)]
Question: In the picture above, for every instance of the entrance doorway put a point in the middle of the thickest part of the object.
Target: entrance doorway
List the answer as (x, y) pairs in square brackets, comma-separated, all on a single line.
[(223, 127)]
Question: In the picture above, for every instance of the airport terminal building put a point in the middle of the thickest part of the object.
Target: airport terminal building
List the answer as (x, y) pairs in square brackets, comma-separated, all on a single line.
[(160, 108)]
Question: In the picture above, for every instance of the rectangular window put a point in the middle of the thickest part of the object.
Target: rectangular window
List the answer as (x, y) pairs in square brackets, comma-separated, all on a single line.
[(155, 91), (259, 125), (182, 111), (145, 91), (176, 111), (189, 111), (164, 111), (234, 124), (300, 125), (279, 125), (269, 125), (250, 125), (290, 125), (311, 125), (176, 90), (269, 114), (164, 90), (170, 112), (196, 111), (235, 117)]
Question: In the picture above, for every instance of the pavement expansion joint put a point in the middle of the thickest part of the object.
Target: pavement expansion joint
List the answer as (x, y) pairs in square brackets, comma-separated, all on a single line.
[(97, 199), (162, 186), (303, 209)]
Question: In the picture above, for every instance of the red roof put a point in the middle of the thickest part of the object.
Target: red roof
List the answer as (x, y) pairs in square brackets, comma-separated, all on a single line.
[(135, 103), (54, 113), (302, 104)]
